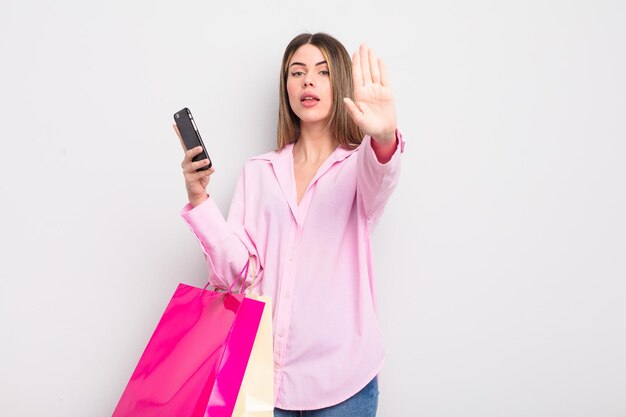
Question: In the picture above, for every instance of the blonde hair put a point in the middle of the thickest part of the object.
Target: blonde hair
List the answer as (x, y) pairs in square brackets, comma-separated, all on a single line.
[(341, 124)]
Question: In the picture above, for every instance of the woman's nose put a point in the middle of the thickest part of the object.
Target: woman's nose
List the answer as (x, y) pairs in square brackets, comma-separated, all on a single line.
[(308, 81)]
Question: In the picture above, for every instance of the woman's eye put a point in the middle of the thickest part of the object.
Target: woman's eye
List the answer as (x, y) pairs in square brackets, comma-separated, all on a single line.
[(297, 73), (325, 72)]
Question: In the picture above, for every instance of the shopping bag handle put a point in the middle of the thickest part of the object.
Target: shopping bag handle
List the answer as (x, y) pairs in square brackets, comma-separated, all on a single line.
[(252, 272), (243, 274)]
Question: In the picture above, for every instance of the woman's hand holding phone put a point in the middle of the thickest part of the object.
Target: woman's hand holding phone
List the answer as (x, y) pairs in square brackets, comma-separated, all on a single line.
[(195, 181)]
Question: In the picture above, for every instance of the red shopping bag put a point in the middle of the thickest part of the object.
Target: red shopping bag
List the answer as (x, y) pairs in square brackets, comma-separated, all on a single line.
[(195, 360)]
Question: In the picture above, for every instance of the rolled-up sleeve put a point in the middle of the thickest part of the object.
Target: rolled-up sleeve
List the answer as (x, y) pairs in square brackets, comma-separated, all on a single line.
[(376, 181)]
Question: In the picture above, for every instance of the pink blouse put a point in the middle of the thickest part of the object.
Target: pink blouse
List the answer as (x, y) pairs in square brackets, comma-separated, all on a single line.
[(314, 260)]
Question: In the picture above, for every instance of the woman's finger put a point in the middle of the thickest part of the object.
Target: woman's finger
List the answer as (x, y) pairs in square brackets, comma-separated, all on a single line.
[(180, 138), (202, 174), (384, 81), (365, 65), (353, 110), (191, 167), (193, 152), (356, 70), (373, 62), (199, 164)]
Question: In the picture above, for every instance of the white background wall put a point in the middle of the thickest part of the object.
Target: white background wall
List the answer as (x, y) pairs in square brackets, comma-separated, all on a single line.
[(500, 259)]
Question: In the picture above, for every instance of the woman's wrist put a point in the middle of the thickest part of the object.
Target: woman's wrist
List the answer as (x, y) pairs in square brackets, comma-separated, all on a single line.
[(387, 137), (384, 149), (196, 201)]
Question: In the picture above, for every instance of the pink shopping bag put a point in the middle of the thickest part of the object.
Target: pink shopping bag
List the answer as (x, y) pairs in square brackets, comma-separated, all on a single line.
[(195, 360)]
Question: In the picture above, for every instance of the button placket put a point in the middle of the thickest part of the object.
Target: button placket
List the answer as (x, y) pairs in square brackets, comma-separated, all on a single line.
[(286, 300), (284, 310)]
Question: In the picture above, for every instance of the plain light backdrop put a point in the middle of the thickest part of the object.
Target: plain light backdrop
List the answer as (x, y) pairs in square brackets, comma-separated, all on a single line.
[(500, 260)]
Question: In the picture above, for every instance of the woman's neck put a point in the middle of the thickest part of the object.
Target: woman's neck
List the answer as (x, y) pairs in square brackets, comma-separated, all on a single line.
[(314, 145)]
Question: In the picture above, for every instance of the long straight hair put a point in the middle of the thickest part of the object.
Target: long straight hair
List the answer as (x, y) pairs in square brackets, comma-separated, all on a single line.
[(341, 124)]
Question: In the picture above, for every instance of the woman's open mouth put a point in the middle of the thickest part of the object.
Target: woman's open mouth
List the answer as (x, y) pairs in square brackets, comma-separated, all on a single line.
[(309, 100)]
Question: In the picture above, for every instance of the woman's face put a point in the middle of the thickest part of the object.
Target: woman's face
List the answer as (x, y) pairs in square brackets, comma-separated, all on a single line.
[(308, 85)]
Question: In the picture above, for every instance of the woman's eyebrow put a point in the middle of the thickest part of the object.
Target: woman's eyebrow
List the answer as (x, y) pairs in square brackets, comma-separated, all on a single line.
[(301, 64)]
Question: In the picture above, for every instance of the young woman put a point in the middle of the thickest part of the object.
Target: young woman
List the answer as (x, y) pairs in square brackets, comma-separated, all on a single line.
[(303, 215)]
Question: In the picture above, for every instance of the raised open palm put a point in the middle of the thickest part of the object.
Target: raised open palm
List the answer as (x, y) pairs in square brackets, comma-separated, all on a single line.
[(373, 108)]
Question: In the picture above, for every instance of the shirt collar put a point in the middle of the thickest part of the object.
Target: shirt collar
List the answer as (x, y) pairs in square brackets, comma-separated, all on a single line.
[(339, 154)]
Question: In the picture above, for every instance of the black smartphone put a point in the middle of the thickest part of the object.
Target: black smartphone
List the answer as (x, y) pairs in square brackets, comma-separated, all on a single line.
[(191, 135)]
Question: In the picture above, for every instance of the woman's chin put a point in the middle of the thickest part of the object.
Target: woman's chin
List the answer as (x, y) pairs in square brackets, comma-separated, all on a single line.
[(312, 119)]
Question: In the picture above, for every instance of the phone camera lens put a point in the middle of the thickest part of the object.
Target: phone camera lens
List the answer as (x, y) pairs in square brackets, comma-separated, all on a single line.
[(177, 116)]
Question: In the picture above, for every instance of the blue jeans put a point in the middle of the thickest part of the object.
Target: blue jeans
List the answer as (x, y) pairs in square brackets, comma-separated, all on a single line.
[(362, 404)]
